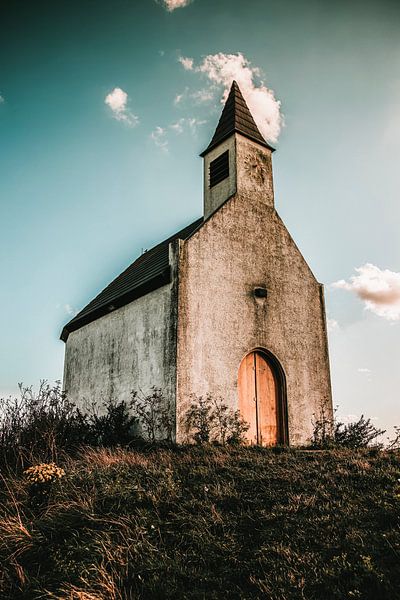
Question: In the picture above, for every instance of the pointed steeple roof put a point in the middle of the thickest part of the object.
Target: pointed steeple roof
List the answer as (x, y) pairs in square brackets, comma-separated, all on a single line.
[(236, 116)]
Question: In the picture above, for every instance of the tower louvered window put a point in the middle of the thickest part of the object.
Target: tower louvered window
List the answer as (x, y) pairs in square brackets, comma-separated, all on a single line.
[(219, 169)]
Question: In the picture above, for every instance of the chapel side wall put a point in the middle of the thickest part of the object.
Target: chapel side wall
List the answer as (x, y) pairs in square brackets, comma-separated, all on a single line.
[(132, 348), (242, 247)]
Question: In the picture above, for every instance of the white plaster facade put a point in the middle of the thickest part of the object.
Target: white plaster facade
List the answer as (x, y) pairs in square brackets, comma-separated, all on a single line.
[(123, 351)]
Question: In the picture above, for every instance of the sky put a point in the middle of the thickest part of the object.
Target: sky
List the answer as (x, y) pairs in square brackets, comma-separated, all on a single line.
[(104, 109)]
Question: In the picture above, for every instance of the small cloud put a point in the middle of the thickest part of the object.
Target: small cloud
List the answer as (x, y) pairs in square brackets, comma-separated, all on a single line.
[(161, 52), (187, 63), (1, 99), (195, 123), (332, 324), (379, 289), (203, 96), (364, 370), (190, 123), (159, 137), (70, 310), (221, 69), (178, 98), (171, 5), (199, 96), (117, 101), (178, 126)]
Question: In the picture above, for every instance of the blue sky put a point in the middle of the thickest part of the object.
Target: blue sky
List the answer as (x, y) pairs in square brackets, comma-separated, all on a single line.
[(84, 188)]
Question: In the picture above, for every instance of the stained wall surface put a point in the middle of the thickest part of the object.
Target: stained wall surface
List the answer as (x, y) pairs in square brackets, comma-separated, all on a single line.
[(242, 246), (132, 348)]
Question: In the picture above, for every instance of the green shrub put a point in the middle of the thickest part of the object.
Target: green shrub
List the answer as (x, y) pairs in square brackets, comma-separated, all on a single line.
[(209, 419), (155, 415), (330, 433), (43, 426)]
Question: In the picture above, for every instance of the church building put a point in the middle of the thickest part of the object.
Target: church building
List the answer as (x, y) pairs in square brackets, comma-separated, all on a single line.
[(227, 306)]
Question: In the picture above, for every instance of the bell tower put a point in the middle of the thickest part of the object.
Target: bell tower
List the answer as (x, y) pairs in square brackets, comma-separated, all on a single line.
[(238, 159)]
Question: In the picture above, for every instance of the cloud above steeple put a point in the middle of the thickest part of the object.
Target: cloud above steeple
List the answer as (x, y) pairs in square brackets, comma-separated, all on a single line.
[(221, 69)]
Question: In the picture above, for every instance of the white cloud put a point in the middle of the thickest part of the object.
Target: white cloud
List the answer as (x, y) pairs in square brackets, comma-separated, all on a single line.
[(379, 289), (70, 310), (160, 134), (222, 69), (159, 137), (186, 123), (179, 97), (1, 99), (194, 123), (117, 101), (171, 5), (199, 96), (203, 95), (187, 63), (178, 126)]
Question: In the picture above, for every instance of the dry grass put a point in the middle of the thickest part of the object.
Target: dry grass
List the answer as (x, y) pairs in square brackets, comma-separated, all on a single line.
[(206, 523)]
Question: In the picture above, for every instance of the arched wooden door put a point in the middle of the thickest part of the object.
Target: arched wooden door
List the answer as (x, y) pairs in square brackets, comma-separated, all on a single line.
[(259, 400)]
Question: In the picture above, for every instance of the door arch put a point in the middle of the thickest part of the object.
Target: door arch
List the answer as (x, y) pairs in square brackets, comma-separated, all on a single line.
[(262, 398)]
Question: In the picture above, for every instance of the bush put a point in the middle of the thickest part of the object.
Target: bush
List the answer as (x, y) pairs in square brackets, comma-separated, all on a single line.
[(209, 419), (114, 426), (39, 427), (329, 433), (154, 413)]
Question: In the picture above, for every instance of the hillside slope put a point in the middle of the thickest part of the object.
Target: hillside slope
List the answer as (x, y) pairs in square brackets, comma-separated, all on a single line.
[(207, 523)]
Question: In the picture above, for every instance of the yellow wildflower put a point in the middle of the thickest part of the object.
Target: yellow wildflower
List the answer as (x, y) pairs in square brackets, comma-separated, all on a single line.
[(44, 473)]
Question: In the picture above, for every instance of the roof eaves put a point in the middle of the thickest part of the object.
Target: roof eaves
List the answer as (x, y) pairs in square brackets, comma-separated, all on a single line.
[(149, 286), (227, 135), (119, 292)]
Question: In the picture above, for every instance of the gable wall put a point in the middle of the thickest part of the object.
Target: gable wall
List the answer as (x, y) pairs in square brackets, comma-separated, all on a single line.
[(242, 246)]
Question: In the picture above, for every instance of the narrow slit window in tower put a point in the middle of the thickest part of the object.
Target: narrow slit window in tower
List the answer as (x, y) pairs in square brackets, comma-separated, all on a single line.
[(219, 169)]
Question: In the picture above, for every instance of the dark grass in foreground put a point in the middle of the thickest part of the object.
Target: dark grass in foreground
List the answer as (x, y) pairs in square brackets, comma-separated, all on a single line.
[(204, 522)]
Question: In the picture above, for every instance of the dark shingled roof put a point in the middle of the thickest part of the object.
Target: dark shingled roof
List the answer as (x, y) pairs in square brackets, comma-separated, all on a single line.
[(236, 117), (150, 271)]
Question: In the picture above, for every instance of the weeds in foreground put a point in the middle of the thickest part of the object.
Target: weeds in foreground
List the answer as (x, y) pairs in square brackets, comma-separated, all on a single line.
[(206, 522), (43, 426), (197, 522)]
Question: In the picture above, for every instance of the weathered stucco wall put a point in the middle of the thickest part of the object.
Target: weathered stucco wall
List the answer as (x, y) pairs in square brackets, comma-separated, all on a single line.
[(254, 170), (132, 348), (243, 246)]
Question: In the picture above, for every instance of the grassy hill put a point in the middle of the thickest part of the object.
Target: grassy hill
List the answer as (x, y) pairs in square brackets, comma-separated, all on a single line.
[(206, 522)]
